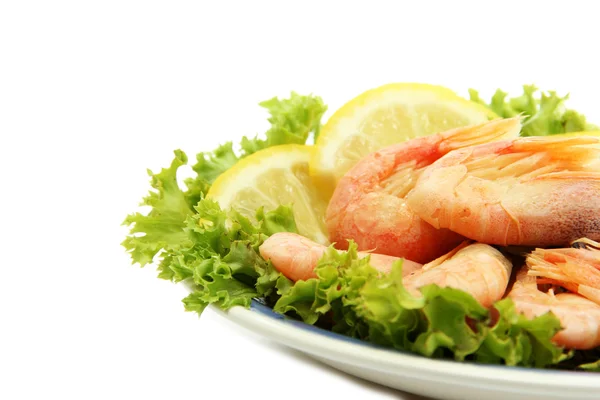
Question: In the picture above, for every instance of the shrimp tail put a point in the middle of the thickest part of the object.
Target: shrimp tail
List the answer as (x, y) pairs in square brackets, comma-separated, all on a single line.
[(496, 130)]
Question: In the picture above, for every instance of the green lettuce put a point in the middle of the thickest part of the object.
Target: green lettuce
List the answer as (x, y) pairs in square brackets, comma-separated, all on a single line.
[(544, 113), (224, 264), (339, 276), (586, 360), (162, 227), (186, 234), (216, 249), (356, 300), (293, 121)]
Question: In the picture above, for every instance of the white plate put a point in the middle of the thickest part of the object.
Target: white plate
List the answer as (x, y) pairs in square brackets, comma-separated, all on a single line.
[(412, 373)]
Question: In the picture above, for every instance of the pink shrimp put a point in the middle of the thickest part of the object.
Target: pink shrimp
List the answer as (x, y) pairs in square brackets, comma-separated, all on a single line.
[(535, 191), (577, 268), (296, 256), (368, 204), (579, 317), (478, 269)]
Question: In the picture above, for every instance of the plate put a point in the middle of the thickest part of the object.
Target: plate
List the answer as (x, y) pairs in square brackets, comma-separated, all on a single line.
[(411, 373)]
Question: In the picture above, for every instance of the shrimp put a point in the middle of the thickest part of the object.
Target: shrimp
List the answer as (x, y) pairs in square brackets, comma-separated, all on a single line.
[(368, 204), (478, 269), (534, 191), (296, 256), (578, 316), (577, 268)]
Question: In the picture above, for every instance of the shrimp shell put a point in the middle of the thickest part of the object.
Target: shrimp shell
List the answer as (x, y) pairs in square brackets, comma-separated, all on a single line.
[(368, 204), (536, 191), (296, 256), (478, 269), (579, 317)]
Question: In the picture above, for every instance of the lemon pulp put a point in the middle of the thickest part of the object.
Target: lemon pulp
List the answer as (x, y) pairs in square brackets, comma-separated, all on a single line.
[(275, 176)]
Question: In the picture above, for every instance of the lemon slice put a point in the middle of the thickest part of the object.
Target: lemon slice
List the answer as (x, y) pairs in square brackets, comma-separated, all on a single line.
[(272, 177), (383, 116)]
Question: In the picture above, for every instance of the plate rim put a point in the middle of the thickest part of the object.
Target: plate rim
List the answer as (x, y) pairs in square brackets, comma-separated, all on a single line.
[(337, 347)]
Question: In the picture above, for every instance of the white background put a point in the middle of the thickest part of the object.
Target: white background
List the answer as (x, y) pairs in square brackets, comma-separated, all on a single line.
[(94, 92)]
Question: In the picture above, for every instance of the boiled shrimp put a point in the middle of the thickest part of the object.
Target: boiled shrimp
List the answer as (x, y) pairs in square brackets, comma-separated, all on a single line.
[(535, 191), (578, 316), (576, 269), (368, 204), (478, 269), (296, 256)]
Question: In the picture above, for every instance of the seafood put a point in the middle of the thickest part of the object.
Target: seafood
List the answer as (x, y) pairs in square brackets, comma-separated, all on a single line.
[(535, 191), (579, 317), (576, 269), (478, 269), (368, 204), (296, 256)]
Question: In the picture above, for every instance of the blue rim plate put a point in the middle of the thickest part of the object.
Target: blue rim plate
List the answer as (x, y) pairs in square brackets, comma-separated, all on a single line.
[(412, 373)]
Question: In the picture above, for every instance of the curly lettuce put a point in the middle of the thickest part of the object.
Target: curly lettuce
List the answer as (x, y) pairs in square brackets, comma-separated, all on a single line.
[(293, 121), (187, 235), (162, 227), (544, 113), (359, 301), (224, 263)]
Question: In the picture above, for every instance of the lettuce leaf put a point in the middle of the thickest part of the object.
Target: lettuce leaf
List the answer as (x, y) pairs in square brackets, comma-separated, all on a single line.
[(293, 120), (221, 260), (584, 360), (188, 233), (359, 301), (339, 275), (544, 113), (591, 366), (164, 229), (224, 262), (163, 226)]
